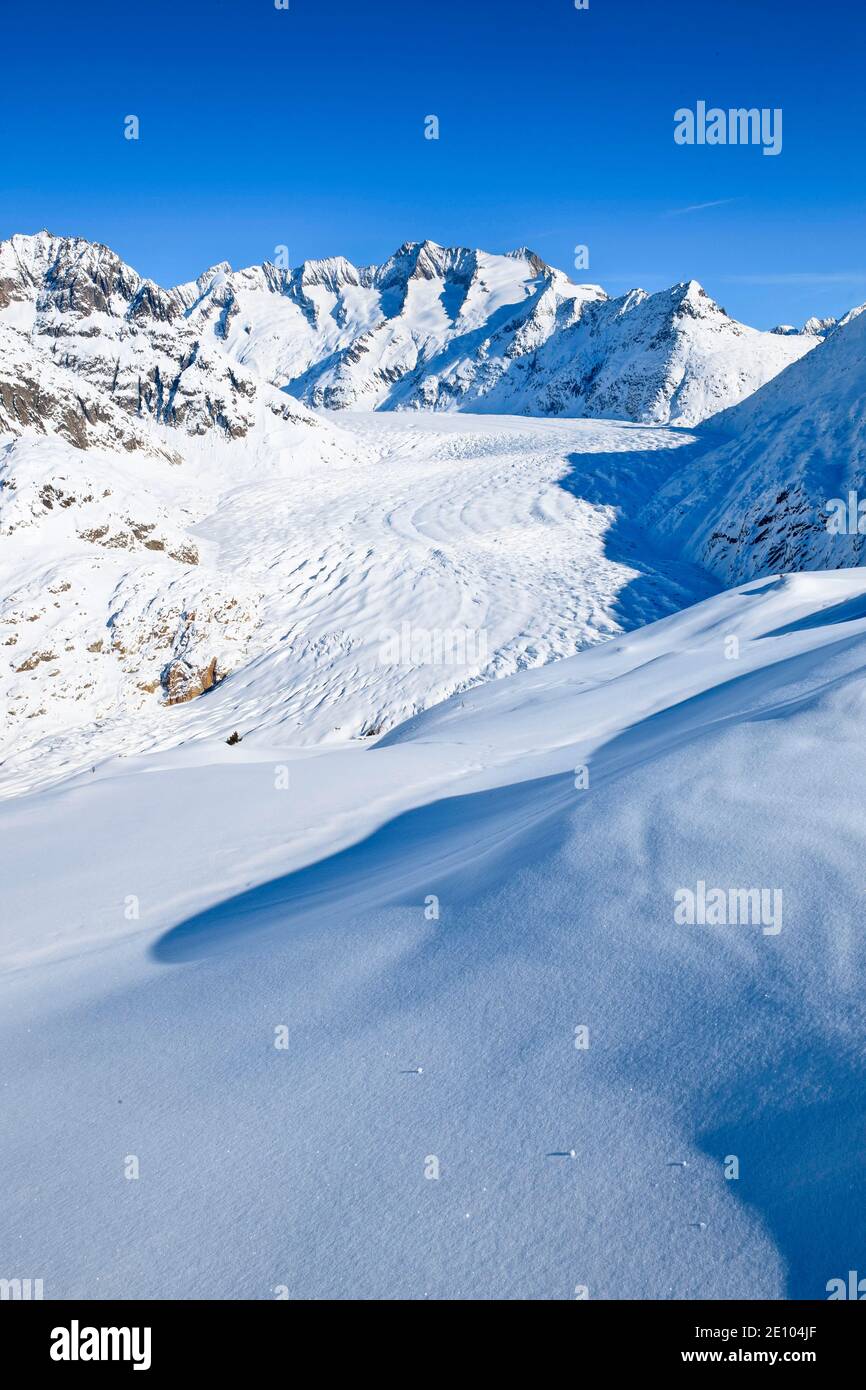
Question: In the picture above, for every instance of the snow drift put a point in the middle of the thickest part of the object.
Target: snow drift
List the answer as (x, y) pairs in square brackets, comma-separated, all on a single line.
[(472, 955)]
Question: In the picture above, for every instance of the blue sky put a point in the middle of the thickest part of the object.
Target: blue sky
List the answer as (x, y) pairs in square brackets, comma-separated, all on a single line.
[(305, 127)]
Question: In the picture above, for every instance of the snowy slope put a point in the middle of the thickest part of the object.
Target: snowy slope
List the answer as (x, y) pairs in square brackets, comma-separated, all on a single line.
[(751, 496), (674, 356), (200, 900), (324, 583)]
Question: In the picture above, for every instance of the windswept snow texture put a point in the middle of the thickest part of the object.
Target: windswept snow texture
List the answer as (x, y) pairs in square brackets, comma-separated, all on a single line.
[(489, 717), (309, 573), (432, 919)]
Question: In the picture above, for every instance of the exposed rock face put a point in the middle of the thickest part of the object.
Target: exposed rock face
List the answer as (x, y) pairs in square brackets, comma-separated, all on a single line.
[(124, 341), (182, 682), (37, 394), (754, 498)]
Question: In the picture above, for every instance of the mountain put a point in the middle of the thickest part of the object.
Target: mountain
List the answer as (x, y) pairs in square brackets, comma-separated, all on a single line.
[(431, 328), (455, 329), (753, 495), (188, 549), (672, 357), (78, 324), (814, 327)]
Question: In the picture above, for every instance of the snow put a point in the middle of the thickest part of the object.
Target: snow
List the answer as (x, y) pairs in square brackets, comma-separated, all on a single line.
[(314, 551), (304, 906), (491, 717), (448, 328), (751, 493)]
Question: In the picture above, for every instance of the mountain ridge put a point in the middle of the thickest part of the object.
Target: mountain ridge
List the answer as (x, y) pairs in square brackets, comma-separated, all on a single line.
[(189, 548), (430, 328)]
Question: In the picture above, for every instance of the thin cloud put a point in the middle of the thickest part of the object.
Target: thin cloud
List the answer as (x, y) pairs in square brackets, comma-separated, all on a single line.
[(840, 277), (641, 277), (700, 207)]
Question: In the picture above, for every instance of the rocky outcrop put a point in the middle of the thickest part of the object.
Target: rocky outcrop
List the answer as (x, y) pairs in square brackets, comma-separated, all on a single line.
[(181, 681), (125, 342), (777, 484), (37, 394)]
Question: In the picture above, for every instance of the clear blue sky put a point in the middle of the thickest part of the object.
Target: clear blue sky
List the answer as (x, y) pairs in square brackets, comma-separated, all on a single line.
[(263, 127)]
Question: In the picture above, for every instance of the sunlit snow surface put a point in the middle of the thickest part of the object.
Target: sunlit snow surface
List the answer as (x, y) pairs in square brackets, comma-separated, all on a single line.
[(286, 885), (316, 544)]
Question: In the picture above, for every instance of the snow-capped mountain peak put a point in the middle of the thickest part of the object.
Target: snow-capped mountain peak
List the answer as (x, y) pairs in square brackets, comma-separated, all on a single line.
[(91, 349), (431, 327)]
